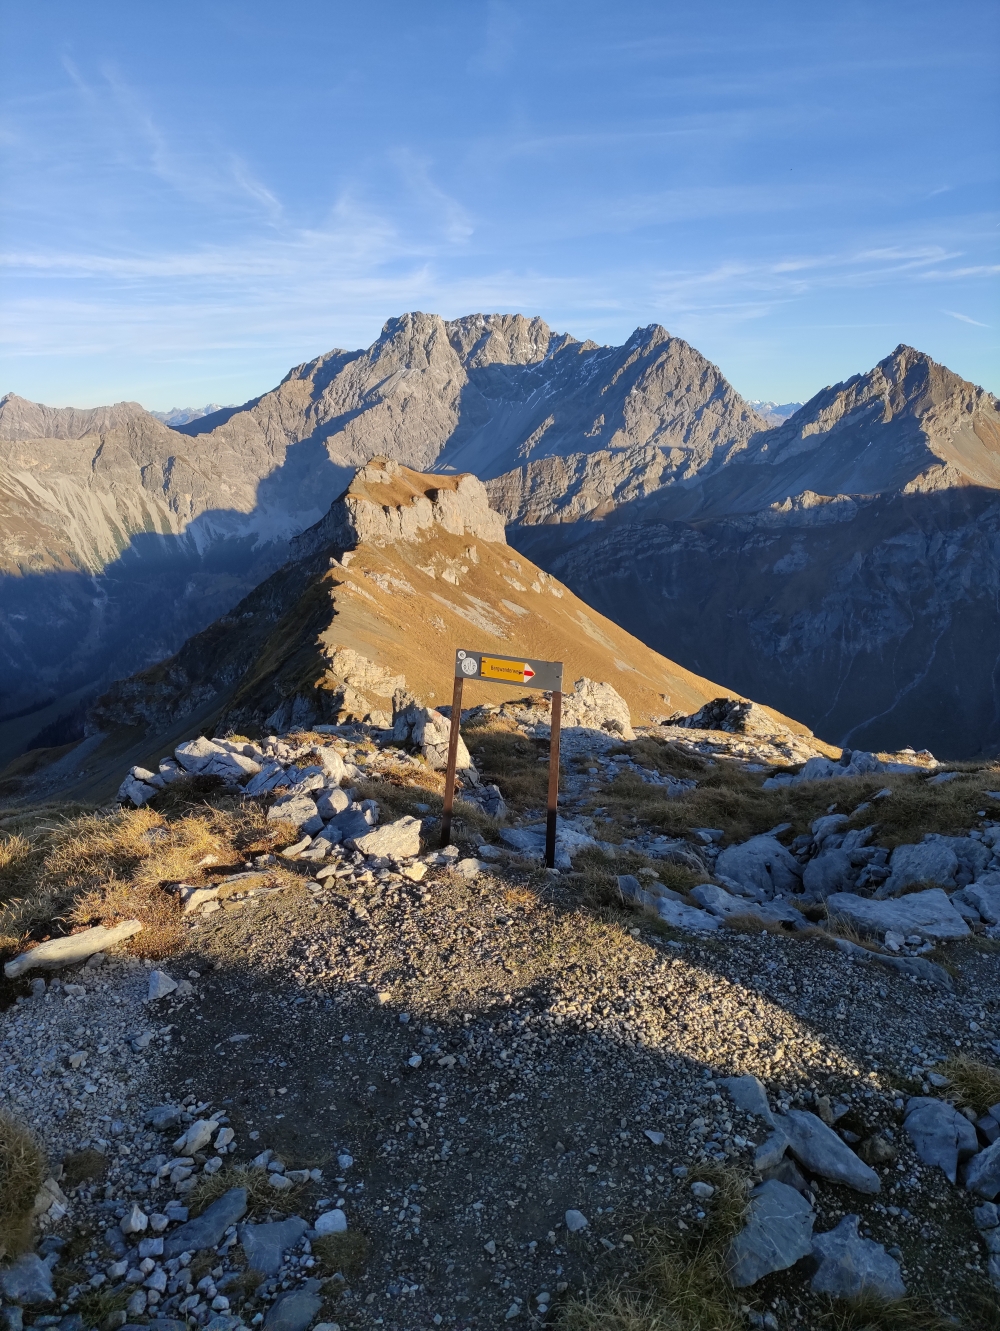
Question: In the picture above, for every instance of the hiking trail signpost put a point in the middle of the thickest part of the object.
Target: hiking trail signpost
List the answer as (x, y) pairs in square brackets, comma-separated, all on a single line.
[(520, 672)]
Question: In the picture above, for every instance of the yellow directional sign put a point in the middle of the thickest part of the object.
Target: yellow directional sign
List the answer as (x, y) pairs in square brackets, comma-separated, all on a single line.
[(510, 672), (545, 675)]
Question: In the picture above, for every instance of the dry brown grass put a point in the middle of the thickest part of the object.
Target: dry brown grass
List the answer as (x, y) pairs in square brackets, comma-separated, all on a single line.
[(975, 1084), (505, 756), (730, 798), (22, 1173), (594, 876), (107, 866), (869, 1313), (346, 1253), (684, 1285)]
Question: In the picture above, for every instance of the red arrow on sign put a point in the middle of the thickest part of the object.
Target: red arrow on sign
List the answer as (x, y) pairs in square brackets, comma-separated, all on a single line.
[(528, 672)]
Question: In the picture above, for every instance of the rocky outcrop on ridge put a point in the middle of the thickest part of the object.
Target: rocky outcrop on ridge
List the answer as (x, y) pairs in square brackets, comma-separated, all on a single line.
[(405, 569)]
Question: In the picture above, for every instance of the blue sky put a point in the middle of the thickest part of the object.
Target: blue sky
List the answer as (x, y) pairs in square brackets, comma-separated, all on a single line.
[(198, 196)]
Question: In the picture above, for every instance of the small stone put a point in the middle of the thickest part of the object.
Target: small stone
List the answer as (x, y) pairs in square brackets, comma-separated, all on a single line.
[(490, 1247), (197, 1137), (345, 1161), (512, 1312), (414, 1061), (575, 1221), (135, 1221), (331, 1222), (986, 1216), (151, 1247), (160, 984), (655, 1137), (702, 1190), (136, 1305)]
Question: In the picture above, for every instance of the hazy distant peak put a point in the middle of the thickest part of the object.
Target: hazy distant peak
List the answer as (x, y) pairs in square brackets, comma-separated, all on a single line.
[(775, 413), (184, 415), (21, 419)]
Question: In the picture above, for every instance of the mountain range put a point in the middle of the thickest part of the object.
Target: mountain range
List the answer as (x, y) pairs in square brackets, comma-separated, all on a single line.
[(839, 566)]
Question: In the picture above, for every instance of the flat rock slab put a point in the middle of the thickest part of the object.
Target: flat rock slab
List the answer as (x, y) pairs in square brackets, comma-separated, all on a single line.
[(762, 863), (930, 862), (940, 1135), (59, 952), (778, 1232), (822, 1152), (266, 1245), (929, 914), (28, 1280), (295, 1310), (400, 839), (207, 1230), (851, 1266)]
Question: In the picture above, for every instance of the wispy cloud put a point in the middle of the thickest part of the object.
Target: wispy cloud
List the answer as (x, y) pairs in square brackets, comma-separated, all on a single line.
[(964, 318)]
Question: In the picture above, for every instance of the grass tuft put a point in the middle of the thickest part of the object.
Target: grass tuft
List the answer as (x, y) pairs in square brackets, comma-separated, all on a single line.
[(261, 1197), (976, 1084), (346, 1253), (869, 1313), (22, 1173), (684, 1286)]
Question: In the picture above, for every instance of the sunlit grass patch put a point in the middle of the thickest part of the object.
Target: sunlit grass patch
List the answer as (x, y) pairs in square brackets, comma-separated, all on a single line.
[(22, 1173)]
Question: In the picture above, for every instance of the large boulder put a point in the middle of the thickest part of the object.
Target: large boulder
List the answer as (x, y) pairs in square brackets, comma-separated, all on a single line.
[(297, 809), (930, 862), (266, 1245), (431, 733), (140, 786), (763, 864), (777, 1233), (830, 872), (71, 950), (194, 755), (593, 706), (27, 1281), (851, 1267), (929, 914), (270, 775), (941, 1136)]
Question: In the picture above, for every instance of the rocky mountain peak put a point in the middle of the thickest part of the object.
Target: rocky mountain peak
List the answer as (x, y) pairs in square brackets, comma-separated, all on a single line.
[(22, 420), (505, 339)]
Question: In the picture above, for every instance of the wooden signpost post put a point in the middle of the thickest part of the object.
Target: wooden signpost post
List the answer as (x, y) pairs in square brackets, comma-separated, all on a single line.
[(519, 672)]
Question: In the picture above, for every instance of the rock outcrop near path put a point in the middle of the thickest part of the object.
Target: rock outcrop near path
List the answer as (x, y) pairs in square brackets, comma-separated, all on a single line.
[(405, 568)]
